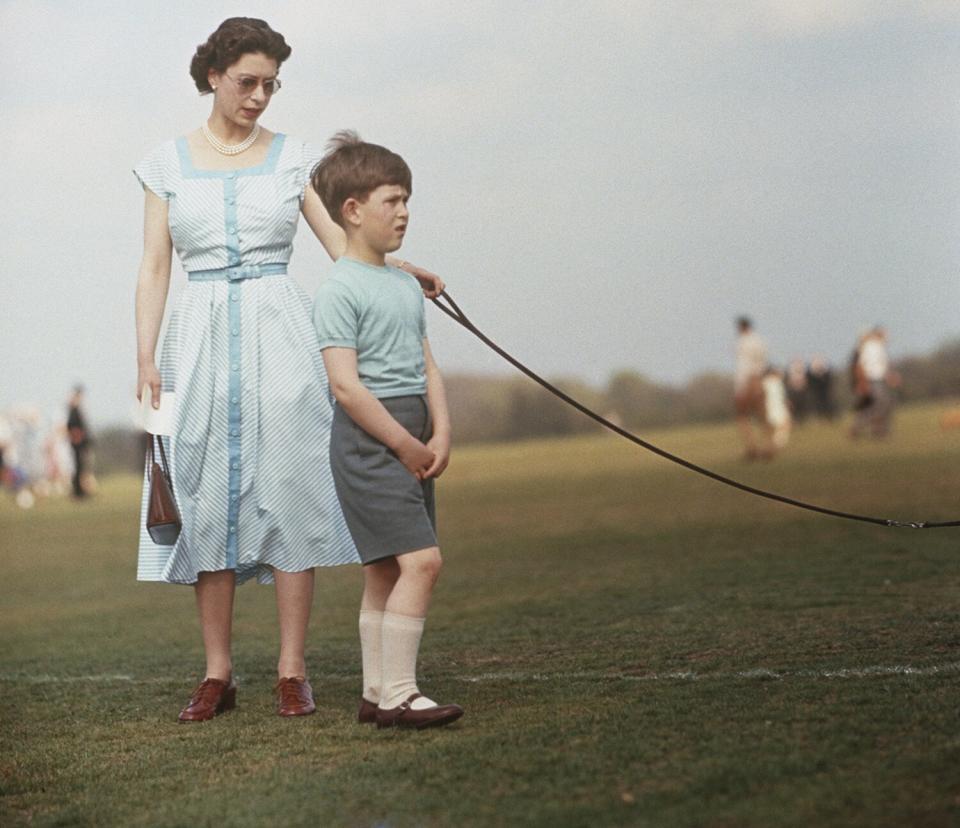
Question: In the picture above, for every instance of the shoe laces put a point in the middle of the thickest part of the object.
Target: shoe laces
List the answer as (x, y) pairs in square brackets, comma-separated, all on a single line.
[(291, 689), (207, 691)]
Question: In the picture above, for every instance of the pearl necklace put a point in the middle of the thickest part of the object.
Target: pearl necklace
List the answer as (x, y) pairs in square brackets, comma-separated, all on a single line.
[(230, 149)]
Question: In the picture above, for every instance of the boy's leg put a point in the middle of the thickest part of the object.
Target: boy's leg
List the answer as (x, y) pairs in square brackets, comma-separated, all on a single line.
[(403, 620), (418, 574), (379, 579), (401, 704)]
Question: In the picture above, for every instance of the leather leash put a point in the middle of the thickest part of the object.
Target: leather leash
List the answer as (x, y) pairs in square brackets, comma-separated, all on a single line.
[(453, 310)]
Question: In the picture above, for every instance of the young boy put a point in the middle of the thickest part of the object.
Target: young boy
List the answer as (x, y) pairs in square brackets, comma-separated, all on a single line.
[(391, 429)]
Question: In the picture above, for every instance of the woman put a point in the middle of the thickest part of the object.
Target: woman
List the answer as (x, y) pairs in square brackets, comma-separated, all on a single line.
[(249, 451)]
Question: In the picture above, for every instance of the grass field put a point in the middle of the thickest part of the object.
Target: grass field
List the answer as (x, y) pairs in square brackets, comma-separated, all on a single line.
[(634, 645)]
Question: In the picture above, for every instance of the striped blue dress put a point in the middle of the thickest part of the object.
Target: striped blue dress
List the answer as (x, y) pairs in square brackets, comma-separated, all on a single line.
[(249, 454)]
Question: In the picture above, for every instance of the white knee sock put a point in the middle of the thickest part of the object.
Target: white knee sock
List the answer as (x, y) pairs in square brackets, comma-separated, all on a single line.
[(401, 643), (371, 632)]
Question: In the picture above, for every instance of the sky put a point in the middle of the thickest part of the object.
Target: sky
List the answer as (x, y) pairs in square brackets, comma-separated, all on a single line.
[(603, 185)]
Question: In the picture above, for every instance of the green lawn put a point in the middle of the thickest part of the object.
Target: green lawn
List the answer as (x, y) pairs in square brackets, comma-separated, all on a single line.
[(634, 645)]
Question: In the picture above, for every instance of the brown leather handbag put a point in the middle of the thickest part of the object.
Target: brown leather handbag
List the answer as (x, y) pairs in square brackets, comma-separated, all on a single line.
[(163, 517)]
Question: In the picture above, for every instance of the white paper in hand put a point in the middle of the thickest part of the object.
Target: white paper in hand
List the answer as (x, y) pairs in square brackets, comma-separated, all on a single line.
[(157, 420)]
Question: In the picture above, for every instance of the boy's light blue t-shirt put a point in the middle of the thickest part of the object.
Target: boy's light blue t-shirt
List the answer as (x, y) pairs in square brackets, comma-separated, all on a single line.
[(379, 312)]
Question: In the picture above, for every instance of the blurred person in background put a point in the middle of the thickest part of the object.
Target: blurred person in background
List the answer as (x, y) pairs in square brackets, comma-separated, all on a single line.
[(24, 455), (58, 458), (820, 386), (797, 389), (80, 442), (858, 385), (776, 409), (6, 440), (874, 381), (751, 363)]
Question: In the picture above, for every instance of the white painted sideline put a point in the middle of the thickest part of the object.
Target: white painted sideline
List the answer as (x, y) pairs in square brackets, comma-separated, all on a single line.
[(756, 673), (760, 673)]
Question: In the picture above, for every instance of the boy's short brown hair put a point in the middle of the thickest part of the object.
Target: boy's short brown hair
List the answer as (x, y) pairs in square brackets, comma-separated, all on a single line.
[(353, 169)]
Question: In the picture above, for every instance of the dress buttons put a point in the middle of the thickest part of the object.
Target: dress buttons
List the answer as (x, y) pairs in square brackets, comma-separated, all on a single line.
[(235, 297), (235, 432), (233, 529), (235, 466), (231, 175), (236, 367), (235, 332), (231, 229)]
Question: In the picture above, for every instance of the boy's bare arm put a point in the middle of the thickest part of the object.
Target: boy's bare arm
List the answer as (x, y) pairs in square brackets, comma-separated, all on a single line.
[(368, 412), (439, 443)]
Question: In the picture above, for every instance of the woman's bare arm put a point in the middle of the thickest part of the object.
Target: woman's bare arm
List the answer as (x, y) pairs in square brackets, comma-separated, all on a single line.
[(153, 282)]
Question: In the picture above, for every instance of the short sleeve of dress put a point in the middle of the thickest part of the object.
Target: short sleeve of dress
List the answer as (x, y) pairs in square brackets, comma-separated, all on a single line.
[(336, 316), (309, 157), (151, 172)]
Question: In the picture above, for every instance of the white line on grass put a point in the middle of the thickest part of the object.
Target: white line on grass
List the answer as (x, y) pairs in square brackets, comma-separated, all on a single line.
[(46, 678), (758, 673)]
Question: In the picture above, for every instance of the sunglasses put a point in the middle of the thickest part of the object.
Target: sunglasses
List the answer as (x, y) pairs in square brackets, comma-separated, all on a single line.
[(247, 84)]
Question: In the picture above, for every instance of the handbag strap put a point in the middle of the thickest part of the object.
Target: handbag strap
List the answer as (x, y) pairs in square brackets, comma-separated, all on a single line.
[(164, 465), (163, 455)]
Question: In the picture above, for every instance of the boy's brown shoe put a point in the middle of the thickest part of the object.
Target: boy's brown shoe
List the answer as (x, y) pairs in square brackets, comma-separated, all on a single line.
[(406, 716), (294, 696), (211, 698)]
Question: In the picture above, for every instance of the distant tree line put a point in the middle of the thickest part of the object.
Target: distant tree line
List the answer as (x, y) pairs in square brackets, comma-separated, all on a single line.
[(488, 409), (933, 376), (485, 409)]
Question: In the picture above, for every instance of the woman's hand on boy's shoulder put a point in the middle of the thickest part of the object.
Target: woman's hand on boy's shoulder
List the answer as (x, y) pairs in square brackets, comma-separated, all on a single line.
[(440, 446), (432, 284)]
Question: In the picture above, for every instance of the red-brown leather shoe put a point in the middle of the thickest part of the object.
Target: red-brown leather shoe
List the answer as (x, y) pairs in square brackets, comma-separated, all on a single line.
[(211, 698), (294, 696), (367, 714), (406, 716)]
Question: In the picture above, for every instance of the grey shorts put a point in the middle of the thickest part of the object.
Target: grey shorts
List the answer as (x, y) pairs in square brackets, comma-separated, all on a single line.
[(388, 511)]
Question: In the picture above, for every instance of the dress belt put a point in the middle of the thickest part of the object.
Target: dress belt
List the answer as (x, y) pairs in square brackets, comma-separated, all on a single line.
[(237, 273)]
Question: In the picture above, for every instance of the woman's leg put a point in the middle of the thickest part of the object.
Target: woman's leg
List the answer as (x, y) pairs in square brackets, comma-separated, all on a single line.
[(294, 601), (215, 591)]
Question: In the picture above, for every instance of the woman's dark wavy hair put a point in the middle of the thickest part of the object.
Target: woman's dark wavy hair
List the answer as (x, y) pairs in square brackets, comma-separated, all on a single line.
[(235, 37)]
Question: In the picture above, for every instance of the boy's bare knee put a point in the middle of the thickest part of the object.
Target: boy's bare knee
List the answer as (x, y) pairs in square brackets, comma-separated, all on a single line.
[(433, 566), (424, 563)]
